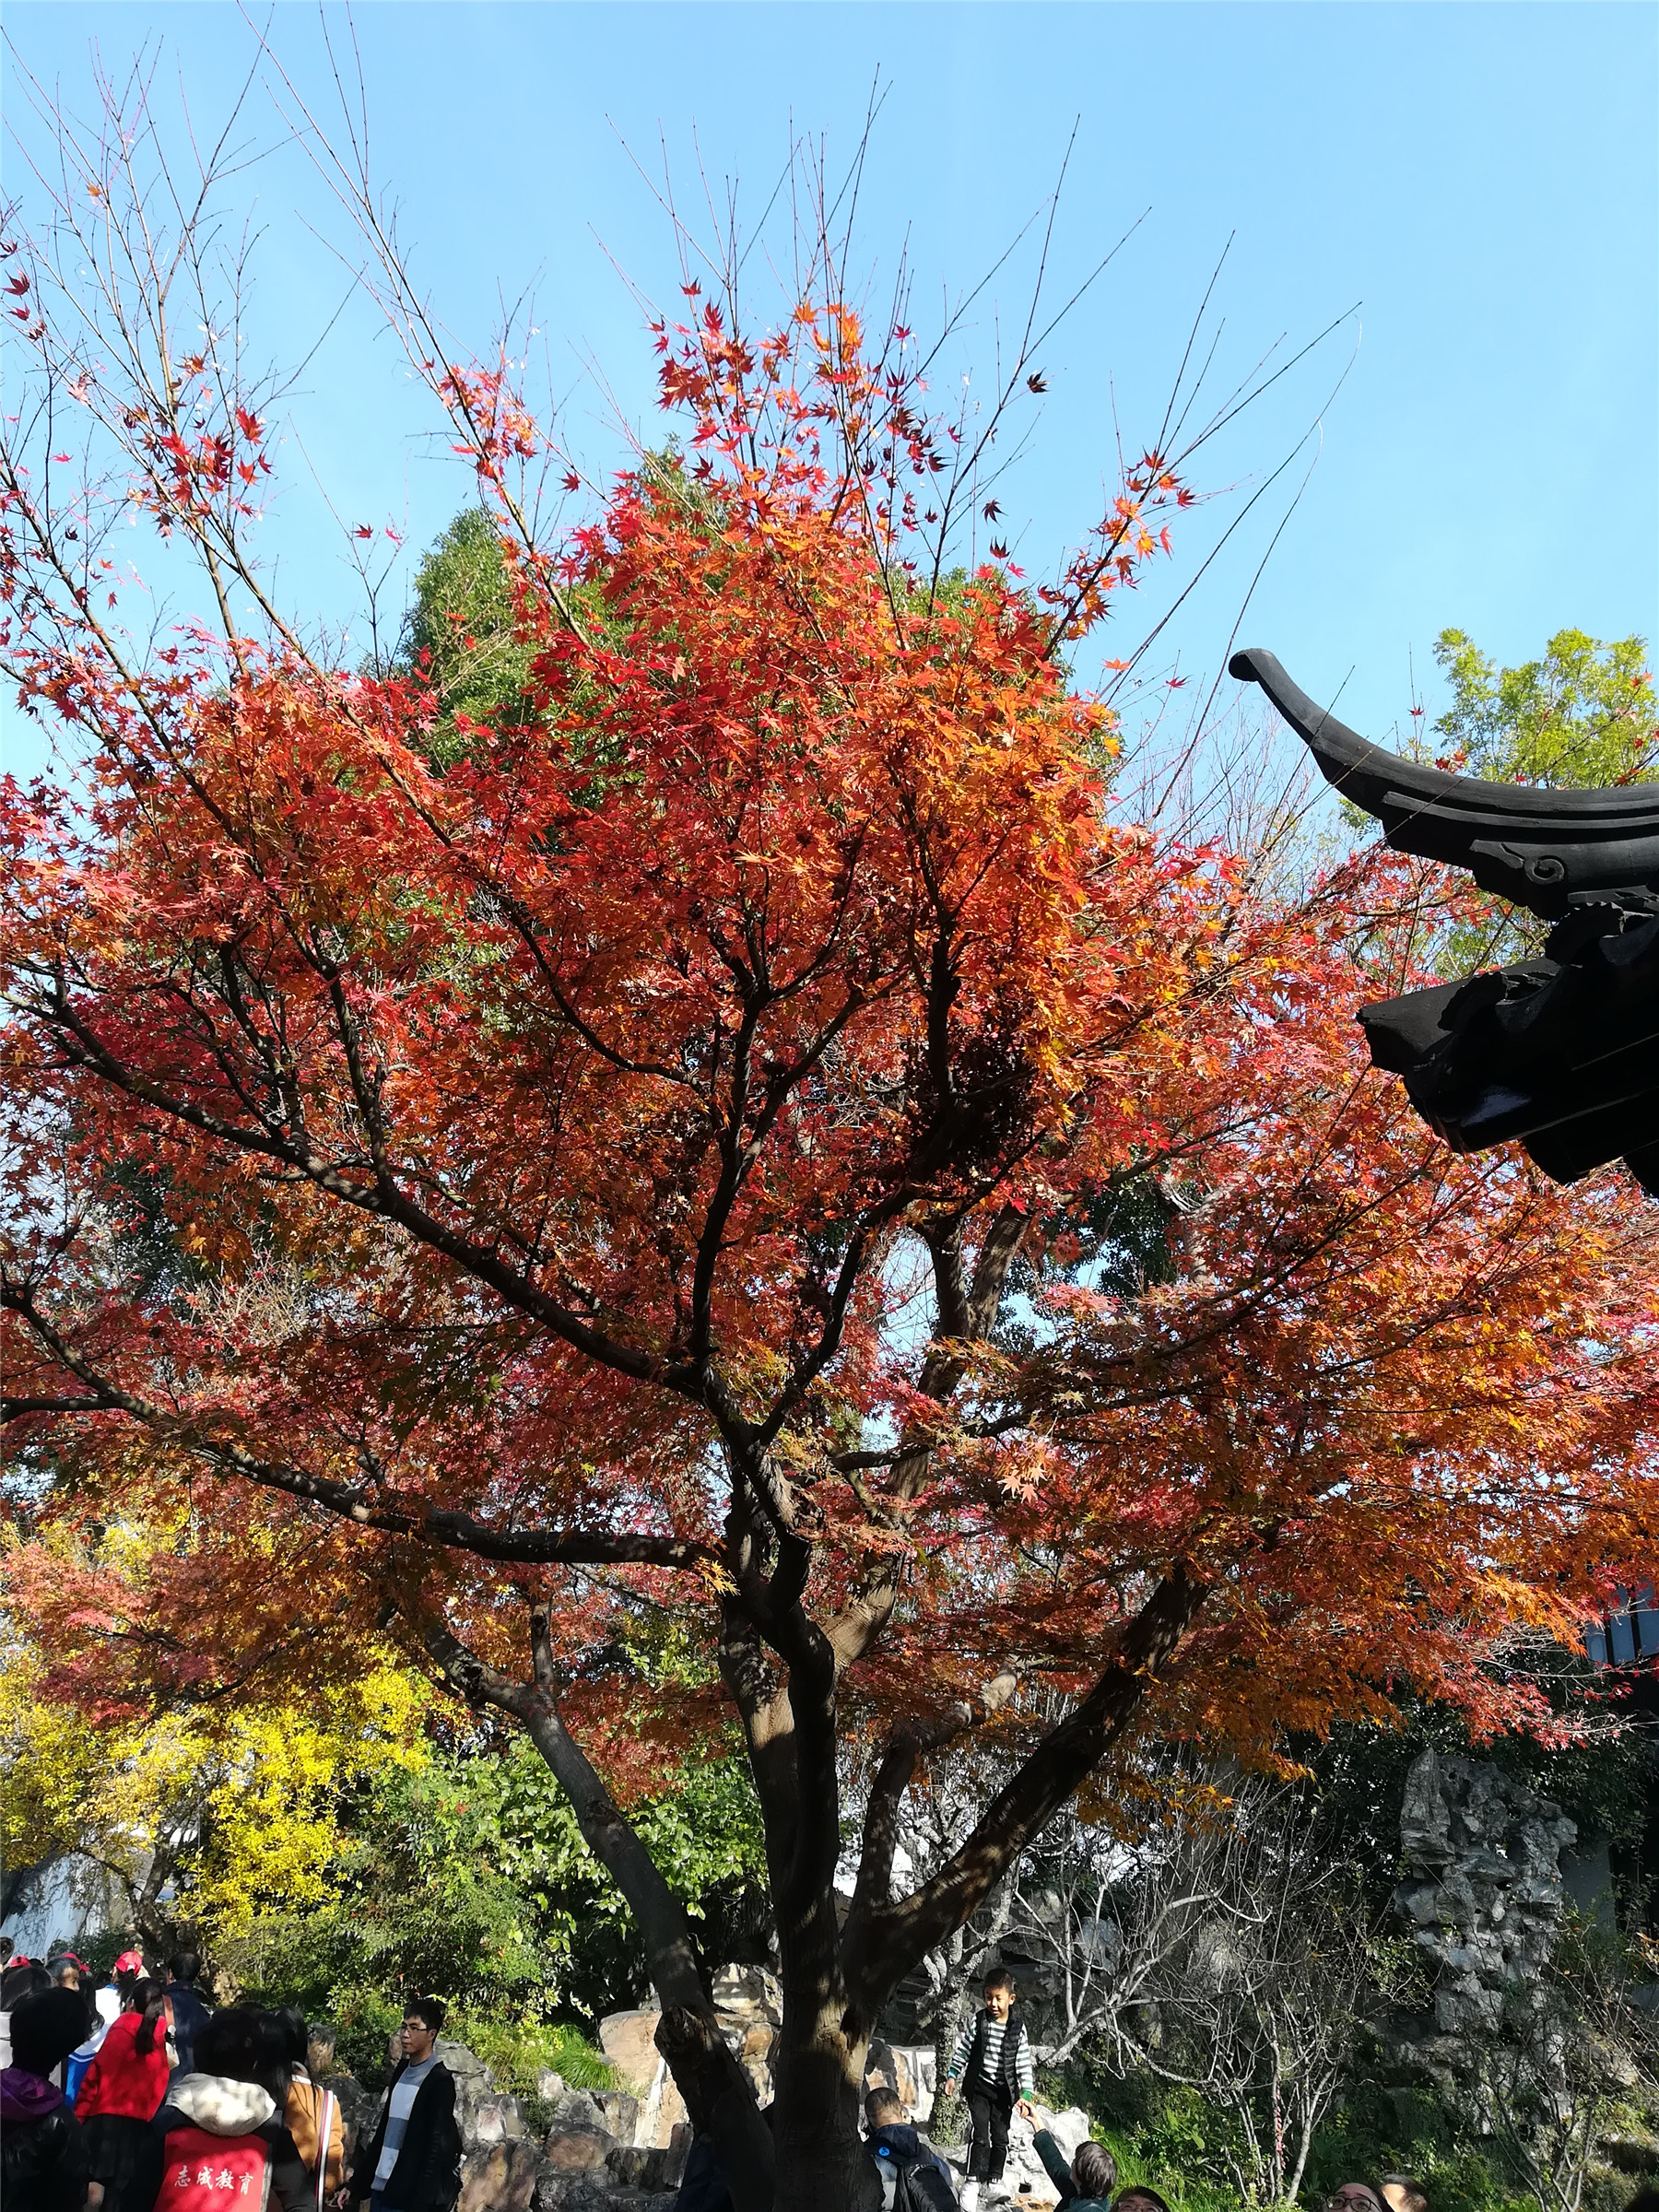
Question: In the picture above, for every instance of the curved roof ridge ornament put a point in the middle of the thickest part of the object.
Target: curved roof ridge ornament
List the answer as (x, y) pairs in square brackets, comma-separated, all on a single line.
[(1561, 1051), (1544, 848)]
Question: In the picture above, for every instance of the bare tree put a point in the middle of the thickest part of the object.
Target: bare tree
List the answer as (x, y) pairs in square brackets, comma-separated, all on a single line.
[(1551, 2080), (1227, 1953)]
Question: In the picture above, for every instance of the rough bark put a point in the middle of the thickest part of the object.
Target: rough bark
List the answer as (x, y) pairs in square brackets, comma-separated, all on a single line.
[(715, 2088)]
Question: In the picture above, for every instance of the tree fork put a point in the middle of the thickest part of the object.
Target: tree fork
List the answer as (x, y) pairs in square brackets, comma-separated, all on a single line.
[(883, 1939)]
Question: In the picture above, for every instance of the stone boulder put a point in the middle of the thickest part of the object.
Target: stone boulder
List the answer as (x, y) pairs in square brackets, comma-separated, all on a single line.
[(586, 2197), (620, 2109), (647, 2167), (909, 2070), (1025, 2177), (499, 2180), (577, 2109), (360, 2108), (628, 2040), (577, 2151), (485, 2115), (1482, 1898), (749, 2005)]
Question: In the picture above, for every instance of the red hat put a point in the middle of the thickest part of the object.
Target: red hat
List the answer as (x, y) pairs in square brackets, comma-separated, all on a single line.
[(133, 1960)]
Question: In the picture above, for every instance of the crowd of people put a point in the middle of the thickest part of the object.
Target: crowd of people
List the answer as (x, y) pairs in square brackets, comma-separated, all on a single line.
[(139, 2094)]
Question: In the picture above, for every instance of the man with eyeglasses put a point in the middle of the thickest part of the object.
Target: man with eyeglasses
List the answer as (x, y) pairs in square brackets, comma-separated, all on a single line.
[(412, 2163)]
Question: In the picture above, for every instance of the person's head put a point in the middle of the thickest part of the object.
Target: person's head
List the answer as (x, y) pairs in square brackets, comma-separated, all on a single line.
[(66, 1972), (1354, 2196), (1646, 2199), (423, 2017), (148, 1999), (22, 1979), (128, 1969), (1403, 2193), (882, 2108), (185, 1966), (999, 1992), (1094, 2171), (46, 2027), (291, 2025), (1140, 2199), (242, 2043)]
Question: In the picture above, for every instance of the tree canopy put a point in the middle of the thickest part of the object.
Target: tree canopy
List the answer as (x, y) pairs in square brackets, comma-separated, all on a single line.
[(749, 1194), (1582, 715)]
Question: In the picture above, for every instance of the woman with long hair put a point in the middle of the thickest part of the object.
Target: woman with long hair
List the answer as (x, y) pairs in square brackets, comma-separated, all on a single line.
[(310, 2111), (124, 2087)]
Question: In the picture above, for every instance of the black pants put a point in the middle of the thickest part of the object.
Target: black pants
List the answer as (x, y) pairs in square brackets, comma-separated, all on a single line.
[(989, 2112)]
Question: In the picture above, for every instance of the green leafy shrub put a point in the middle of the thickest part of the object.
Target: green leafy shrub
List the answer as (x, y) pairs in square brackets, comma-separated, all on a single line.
[(516, 2052)]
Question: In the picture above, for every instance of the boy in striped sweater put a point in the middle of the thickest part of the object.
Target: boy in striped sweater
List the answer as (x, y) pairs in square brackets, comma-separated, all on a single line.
[(993, 2063)]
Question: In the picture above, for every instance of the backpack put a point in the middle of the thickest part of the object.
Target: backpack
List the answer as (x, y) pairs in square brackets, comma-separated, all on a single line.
[(918, 2185)]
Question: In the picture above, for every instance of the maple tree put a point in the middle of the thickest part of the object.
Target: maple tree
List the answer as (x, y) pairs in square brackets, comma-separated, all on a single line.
[(635, 1203)]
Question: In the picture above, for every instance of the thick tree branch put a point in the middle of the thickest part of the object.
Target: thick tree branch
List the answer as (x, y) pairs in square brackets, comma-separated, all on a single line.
[(895, 1935), (367, 1509), (717, 2093), (908, 1743), (966, 1310)]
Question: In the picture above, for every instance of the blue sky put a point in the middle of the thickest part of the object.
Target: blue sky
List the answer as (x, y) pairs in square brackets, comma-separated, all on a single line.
[(1483, 179)]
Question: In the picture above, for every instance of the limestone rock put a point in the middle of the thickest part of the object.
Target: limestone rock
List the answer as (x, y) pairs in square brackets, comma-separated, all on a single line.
[(485, 2115), (642, 2166), (748, 2003), (620, 2113), (584, 2193), (1481, 1896), (1025, 2177), (748, 2006), (577, 2151), (577, 2109), (628, 2040), (499, 2180), (360, 2108)]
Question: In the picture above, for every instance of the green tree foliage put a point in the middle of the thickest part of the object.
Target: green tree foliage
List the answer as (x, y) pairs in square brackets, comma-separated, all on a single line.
[(1582, 715), (462, 635), (469, 1878)]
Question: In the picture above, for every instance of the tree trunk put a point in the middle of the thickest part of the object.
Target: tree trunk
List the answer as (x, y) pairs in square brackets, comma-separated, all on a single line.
[(945, 2123), (818, 2081), (715, 2087)]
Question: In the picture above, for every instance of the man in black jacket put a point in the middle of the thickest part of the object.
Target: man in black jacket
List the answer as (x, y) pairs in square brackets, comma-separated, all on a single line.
[(412, 2162)]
